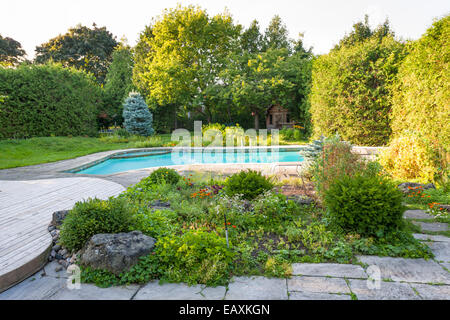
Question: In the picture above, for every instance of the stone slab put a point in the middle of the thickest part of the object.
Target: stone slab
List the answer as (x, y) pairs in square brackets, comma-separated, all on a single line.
[(329, 269), (386, 291), (50, 270), (416, 214), (256, 288), (89, 291), (432, 226), (36, 287), (408, 270), (429, 237), (317, 285), (317, 296), (441, 250), (429, 292), (178, 291), (446, 265)]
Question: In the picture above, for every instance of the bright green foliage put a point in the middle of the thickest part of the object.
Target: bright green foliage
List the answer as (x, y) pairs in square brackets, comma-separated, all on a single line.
[(11, 52), (368, 206), (156, 224), (137, 117), (44, 100), (180, 55), (163, 175), (118, 84), (81, 47), (94, 216), (421, 100), (351, 90), (195, 257), (249, 184)]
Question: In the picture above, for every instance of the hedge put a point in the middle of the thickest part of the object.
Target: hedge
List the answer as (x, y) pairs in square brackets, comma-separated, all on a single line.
[(47, 100), (351, 91), (421, 99)]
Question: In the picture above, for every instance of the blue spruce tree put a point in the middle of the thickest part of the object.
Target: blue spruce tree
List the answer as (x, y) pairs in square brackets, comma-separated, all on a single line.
[(137, 118)]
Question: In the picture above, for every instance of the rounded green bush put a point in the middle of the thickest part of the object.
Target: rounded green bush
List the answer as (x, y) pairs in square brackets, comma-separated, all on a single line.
[(249, 184), (366, 205), (92, 217), (164, 175)]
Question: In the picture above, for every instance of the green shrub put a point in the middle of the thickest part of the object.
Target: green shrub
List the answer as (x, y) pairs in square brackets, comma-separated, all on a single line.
[(163, 175), (369, 206), (47, 100), (155, 224), (249, 184), (195, 257), (92, 217)]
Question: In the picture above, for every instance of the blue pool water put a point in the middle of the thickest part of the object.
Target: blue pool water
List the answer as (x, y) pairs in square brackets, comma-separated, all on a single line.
[(189, 157)]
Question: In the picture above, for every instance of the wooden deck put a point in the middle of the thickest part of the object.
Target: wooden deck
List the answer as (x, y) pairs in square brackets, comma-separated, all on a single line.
[(26, 209)]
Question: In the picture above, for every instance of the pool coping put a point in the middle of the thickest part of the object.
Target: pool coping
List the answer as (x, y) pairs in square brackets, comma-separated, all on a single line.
[(114, 155)]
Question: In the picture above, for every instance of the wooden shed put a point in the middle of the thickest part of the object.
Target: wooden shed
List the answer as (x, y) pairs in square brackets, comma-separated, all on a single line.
[(278, 117)]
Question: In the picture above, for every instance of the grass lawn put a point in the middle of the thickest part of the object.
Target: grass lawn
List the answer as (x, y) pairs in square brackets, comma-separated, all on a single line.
[(25, 152)]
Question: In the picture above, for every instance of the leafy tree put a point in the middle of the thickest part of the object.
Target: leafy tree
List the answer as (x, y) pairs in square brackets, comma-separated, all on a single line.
[(276, 35), (118, 84), (81, 47), (351, 89), (362, 32), (137, 117), (421, 99), (268, 78), (180, 55), (11, 52)]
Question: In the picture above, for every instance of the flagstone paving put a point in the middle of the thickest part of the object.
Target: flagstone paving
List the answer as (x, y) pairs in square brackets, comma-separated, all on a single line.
[(417, 214), (432, 226)]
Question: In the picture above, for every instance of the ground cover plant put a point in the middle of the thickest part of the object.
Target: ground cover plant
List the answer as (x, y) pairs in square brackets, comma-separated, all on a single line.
[(265, 234)]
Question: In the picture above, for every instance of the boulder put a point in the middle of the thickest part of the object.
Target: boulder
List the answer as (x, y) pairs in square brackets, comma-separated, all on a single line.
[(405, 187), (445, 207), (58, 217), (116, 252)]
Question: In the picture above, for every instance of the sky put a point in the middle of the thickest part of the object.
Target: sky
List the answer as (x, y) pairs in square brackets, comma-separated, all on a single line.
[(323, 22)]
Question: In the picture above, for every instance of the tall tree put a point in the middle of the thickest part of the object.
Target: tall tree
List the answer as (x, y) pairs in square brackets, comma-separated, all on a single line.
[(252, 39), (118, 83), (81, 47), (362, 32), (276, 35), (11, 52), (182, 54)]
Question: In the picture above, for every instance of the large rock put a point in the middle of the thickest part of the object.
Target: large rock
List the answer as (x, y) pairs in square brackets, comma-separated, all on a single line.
[(58, 217), (405, 187), (116, 252)]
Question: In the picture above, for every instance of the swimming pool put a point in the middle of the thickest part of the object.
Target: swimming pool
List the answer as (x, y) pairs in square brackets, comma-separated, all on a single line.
[(162, 158)]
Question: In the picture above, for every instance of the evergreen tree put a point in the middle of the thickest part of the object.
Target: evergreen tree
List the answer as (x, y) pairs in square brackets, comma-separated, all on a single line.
[(137, 117), (118, 83), (276, 35)]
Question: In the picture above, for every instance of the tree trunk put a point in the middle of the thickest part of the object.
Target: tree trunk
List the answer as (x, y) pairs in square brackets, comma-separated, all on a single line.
[(256, 121)]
